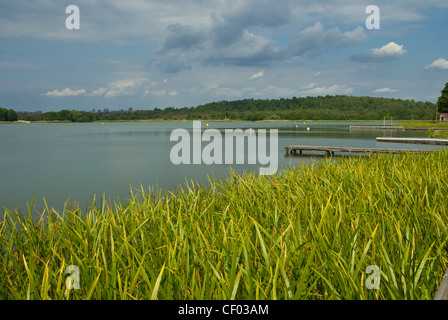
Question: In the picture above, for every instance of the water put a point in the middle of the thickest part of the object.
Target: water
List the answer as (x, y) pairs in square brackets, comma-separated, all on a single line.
[(75, 162)]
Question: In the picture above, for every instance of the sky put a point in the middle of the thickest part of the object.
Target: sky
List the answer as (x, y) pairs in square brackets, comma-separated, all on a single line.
[(183, 53)]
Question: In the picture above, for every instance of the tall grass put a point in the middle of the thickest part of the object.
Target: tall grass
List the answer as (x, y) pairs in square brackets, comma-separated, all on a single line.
[(309, 233)]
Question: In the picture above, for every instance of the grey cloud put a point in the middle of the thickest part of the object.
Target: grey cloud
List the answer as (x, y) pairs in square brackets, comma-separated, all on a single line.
[(228, 41), (115, 21), (172, 64), (249, 50), (182, 37), (230, 25), (314, 39)]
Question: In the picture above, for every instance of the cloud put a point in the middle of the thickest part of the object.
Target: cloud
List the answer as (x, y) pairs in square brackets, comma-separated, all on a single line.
[(310, 86), (220, 91), (335, 89), (161, 93), (157, 93), (236, 17), (172, 63), (257, 76), (235, 45), (314, 39), (439, 64), (115, 89), (386, 53), (249, 50), (385, 90), (98, 92), (182, 37), (65, 93), (110, 21), (125, 87)]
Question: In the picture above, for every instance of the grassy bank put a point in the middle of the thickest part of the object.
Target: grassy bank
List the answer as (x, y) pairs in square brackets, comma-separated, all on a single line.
[(309, 233), (437, 134), (423, 124)]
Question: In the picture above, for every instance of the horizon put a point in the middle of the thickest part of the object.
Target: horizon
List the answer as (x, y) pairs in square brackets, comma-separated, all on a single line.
[(127, 109), (160, 54)]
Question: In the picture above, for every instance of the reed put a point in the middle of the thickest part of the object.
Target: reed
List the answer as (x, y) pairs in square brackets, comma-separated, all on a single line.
[(307, 233)]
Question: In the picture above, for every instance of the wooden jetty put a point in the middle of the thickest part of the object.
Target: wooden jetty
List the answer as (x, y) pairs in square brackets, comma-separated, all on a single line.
[(332, 150), (395, 128), (429, 141)]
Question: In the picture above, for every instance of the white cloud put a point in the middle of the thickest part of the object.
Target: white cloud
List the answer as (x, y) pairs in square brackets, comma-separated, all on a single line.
[(161, 93), (440, 64), (67, 92), (390, 49), (218, 91), (98, 92), (115, 89), (385, 90), (272, 91), (257, 76), (335, 89), (310, 86), (158, 93), (125, 87), (388, 52)]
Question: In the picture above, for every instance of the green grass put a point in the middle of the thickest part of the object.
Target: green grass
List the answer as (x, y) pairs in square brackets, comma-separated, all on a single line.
[(437, 134), (422, 124), (309, 233)]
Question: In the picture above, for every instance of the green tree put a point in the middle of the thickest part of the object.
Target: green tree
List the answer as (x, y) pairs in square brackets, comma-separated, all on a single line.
[(12, 115), (50, 116), (8, 115), (442, 103), (3, 114), (65, 115)]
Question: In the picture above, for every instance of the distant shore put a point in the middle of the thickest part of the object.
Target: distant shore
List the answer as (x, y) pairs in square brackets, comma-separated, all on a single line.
[(396, 122), (15, 122)]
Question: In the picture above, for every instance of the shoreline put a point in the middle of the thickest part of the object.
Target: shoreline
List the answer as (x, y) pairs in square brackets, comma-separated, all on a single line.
[(191, 120)]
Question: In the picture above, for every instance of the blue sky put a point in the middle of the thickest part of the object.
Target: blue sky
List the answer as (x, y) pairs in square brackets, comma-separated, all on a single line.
[(183, 53)]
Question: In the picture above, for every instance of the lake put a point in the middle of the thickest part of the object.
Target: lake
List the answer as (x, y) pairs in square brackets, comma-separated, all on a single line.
[(65, 161)]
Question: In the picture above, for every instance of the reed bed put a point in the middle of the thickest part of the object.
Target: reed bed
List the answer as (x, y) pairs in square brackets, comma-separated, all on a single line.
[(307, 233)]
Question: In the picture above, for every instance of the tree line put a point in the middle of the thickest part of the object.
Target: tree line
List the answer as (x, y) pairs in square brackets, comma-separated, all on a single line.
[(305, 108), (8, 115), (442, 103)]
